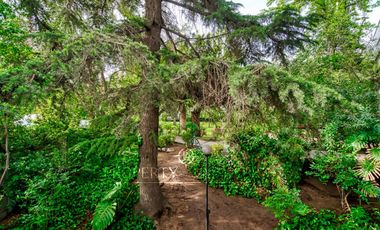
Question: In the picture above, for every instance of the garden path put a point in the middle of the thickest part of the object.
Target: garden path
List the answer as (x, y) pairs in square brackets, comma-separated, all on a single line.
[(203, 143), (186, 196)]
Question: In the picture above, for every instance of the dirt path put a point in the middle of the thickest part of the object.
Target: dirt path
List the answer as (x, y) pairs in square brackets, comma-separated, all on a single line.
[(186, 196)]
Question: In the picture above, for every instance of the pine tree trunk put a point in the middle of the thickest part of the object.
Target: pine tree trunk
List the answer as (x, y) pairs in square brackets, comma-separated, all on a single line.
[(182, 116), (151, 198), (196, 119)]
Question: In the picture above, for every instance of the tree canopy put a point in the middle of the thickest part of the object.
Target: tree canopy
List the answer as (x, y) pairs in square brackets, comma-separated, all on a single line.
[(104, 78)]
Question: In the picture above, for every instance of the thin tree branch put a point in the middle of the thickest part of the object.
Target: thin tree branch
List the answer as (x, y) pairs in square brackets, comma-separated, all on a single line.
[(171, 39), (174, 45), (163, 43), (209, 38), (188, 7), (185, 38)]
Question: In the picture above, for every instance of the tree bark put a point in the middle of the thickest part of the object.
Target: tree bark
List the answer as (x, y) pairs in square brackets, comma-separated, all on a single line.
[(182, 116), (151, 198), (196, 119), (7, 154)]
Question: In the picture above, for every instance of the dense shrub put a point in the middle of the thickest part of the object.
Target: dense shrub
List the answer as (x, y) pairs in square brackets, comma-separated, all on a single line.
[(167, 134), (287, 149), (64, 188), (341, 169), (286, 204), (324, 219), (358, 218), (224, 172), (190, 133), (256, 167)]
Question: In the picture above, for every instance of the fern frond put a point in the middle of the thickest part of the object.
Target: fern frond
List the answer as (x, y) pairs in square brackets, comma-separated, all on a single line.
[(356, 142), (112, 191), (104, 214), (106, 209)]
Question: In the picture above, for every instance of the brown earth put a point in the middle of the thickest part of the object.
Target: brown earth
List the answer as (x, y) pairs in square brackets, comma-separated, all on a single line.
[(186, 195), (320, 196)]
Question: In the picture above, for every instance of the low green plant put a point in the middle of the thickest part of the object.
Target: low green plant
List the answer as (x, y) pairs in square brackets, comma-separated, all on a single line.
[(358, 218), (105, 210), (167, 134), (189, 134), (286, 147), (165, 140), (340, 168), (63, 188), (255, 167), (286, 204), (323, 219), (131, 220)]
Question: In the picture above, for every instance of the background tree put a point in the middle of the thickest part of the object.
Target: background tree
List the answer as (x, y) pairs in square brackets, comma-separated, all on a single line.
[(21, 75)]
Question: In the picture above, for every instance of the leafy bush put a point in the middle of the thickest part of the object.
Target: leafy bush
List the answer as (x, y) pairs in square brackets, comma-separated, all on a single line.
[(62, 188), (286, 204), (131, 220), (289, 150), (351, 132), (189, 134), (165, 140), (340, 168), (323, 219), (358, 218), (255, 168), (167, 134)]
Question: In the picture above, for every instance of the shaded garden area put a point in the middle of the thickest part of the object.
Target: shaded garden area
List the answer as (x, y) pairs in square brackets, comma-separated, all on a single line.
[(99, 99)]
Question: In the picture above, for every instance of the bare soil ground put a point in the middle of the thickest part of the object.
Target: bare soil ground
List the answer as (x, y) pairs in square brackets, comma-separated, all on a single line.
[(186, 195), (320, 196)]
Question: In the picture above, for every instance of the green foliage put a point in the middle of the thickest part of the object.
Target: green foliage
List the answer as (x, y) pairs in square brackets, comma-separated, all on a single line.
[(63, 177), (63, 187), (358, 218), (189, 134), (286, 204), (255, 169), (323, 219), (22, 74), (217, 148), (289, 150), (167, 134), (352, 132), (131, 220), (253, 172), (165, 140), (340, 169), (105, 210), (104, 214), (276, 32), (272, 95)]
